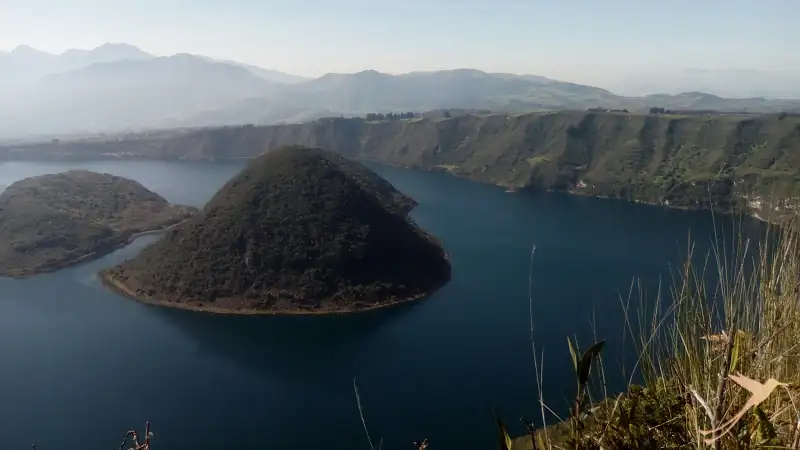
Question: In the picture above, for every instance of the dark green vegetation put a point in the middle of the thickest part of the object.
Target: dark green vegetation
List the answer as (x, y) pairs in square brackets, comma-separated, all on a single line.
[(370, 117), (300, 230), (732, 162), (50, 221)]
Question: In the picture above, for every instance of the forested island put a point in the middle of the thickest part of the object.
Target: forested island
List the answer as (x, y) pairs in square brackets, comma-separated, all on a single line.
[(299, 231), (52, 221)]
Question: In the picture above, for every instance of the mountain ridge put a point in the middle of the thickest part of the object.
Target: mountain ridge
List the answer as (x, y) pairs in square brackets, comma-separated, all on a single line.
[(733, 163), (185, 90), (76, 59)]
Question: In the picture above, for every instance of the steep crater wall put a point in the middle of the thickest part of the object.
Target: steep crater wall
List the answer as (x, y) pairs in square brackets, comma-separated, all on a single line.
[(735, 163)]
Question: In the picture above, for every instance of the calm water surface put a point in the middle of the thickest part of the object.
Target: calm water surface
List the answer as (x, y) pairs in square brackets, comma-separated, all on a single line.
[(81, 365)]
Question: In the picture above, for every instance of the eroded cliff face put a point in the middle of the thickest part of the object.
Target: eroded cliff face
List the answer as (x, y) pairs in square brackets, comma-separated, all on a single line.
[(680, 161)]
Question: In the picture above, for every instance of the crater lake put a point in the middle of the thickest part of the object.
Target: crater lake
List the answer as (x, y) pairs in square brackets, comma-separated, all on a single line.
[(82, 365)]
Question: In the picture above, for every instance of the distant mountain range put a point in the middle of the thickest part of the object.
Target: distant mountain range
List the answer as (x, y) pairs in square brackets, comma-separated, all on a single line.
[(26, 64), (118, 87), (721, 82)]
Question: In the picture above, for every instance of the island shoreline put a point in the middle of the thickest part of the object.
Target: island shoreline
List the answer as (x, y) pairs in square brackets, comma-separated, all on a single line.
[(118, 287), (93, 256), (508, 188)]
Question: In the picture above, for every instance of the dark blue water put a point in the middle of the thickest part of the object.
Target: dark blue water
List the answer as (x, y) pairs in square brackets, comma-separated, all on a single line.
[(81, 365)]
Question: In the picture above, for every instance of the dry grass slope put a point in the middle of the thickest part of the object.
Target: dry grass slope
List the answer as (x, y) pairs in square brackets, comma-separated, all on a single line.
[(717, 374)]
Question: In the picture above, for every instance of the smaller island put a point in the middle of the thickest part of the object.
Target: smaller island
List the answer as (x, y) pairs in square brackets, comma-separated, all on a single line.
[(52, 221), (298, 231)]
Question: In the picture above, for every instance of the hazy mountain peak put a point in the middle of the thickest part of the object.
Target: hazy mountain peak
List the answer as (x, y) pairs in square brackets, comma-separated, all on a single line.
[(531, 78), (120, 51), (468, 71), (331, 75), (27, 50), (266, 74), (450, 72), (185, 58), (178, 66), (369, 73), (362, 76), (25, 64), (703, 95), (117, 46)]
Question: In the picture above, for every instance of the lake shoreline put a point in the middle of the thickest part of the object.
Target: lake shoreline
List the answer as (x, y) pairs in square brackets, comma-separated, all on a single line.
[(511, 189), (516, 189)]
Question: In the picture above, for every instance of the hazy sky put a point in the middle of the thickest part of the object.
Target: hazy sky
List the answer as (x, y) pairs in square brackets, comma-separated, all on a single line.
[(578, 40)]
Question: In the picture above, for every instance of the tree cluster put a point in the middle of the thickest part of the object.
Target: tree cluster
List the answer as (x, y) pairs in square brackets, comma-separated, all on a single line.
[(389, 116), (599, 109), (660, 110)]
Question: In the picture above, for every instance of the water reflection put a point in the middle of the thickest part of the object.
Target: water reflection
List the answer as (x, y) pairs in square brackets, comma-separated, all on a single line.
[(295, 349)]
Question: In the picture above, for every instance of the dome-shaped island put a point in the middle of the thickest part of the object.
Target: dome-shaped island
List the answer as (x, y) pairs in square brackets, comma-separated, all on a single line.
[(298, 231), (52, 221)]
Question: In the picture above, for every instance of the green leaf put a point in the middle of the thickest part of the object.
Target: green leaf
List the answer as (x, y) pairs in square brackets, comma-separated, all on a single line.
[(585, 365), (574, 355), (765, 431), (505, 440)]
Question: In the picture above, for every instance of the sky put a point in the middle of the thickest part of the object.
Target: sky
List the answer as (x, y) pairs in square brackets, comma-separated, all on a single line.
[(585, 41)]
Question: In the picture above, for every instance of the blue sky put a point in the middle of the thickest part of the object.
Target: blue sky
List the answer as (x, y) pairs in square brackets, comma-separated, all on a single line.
[(577, 40)]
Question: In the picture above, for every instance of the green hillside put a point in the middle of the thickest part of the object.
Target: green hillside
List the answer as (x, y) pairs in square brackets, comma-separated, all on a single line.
[(678, 160)]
